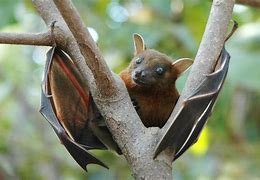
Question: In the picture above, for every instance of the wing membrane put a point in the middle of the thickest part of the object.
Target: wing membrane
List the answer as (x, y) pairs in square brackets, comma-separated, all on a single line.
[(66, 104)]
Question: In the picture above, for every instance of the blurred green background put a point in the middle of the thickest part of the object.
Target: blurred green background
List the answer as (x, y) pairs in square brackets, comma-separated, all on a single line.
[(229, 145)]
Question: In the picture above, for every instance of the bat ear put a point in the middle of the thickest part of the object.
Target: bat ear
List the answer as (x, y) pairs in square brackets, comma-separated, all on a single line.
[(138, 43), (181, 65)]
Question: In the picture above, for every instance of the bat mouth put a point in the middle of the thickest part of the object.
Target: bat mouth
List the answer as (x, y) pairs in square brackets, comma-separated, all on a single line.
[(139, 82)]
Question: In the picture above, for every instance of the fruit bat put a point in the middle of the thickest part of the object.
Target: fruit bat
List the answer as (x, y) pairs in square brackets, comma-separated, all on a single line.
[(67, 105)]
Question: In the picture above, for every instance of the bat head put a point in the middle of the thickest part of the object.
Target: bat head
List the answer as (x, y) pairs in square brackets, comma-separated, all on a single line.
[(150, 68)]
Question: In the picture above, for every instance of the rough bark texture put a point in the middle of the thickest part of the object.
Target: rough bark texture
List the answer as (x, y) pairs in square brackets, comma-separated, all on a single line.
[(136, 141)]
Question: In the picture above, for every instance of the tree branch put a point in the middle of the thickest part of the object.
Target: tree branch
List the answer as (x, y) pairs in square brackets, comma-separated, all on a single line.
[(38, 39), (63, 36), (133, 138), (209, 50), (95, 61), (253, 3), (135, 141)]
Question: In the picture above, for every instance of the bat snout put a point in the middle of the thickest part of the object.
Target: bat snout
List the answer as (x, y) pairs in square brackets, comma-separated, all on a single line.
[(139, 77), (139, 74)]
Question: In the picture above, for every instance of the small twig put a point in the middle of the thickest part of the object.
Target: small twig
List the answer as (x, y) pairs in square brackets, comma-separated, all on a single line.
[(252, 3), (52, 33), (37, 39)]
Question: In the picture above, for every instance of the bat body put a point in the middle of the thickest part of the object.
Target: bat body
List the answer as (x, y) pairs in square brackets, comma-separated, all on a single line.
[(150, 80), (68, 106)]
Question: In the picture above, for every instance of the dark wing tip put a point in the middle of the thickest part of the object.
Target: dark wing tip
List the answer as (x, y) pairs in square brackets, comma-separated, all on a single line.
[(80, 155)]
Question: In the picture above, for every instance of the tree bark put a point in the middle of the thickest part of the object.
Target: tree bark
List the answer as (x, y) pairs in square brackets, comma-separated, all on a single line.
[(39, 39)]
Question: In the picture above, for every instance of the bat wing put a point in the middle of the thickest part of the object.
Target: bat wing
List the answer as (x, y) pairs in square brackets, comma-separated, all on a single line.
[(68, 107), (194, 112), (80, 154)]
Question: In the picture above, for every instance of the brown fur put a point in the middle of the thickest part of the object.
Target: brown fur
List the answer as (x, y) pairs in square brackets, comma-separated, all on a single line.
[(150, 80), (153, 93), (155, 102)]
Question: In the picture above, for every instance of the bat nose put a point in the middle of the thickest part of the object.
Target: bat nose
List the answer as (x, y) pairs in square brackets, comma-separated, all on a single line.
[(139, 74)]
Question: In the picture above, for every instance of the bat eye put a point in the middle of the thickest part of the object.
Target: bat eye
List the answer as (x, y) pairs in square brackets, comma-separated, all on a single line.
[(159, 70), (139, 60)]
